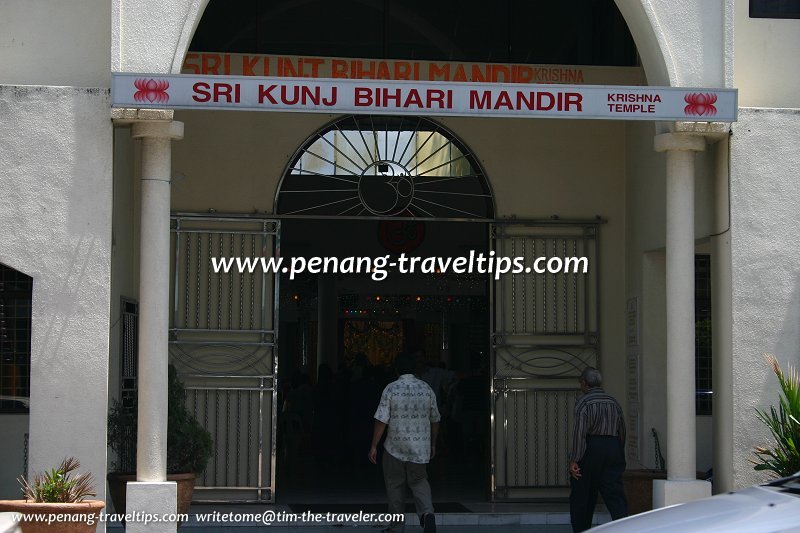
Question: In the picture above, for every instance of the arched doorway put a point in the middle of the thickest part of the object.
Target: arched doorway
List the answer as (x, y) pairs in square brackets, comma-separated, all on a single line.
[(371, 187)]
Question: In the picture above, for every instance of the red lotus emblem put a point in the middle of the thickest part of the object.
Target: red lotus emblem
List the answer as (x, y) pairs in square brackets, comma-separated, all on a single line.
[(150, 90), (701, 104), (401, 235)]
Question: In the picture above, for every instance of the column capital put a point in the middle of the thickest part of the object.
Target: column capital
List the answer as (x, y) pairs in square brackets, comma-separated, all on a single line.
[(157, 129), (712, 131), (125, 116), (679, 141)]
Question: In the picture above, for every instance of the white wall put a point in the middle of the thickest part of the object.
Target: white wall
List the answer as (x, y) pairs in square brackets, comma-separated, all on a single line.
[(55, 211), (694, 39), (152, 35), (765, 244), (55, 42), (765, 64)]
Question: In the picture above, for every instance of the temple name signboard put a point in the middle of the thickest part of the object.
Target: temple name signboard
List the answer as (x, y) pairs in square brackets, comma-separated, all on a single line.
[(399, 97)]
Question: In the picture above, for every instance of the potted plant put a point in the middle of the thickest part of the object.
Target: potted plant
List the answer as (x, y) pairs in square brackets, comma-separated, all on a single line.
[(189, 446), (783, 458), (56, 501)]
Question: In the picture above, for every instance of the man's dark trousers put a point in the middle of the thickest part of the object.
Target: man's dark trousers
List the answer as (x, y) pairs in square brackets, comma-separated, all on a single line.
[(602, 466)]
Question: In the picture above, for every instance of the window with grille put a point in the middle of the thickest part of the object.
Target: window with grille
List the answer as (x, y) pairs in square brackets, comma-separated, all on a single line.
[(129, 359), (15, 340), (129, 352), (702, 339)]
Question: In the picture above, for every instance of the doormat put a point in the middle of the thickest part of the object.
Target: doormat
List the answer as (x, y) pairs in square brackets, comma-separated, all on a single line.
[(440, 507)]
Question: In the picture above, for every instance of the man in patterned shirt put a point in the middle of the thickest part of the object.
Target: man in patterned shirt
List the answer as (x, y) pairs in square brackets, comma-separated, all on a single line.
[(598, 453), (408, 408)]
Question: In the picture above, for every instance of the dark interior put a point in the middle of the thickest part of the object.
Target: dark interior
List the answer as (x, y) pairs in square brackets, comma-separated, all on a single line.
[(325, 419), (568, 32)]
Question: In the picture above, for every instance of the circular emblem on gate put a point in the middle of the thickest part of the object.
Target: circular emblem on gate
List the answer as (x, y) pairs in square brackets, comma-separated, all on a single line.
[(386, 188)]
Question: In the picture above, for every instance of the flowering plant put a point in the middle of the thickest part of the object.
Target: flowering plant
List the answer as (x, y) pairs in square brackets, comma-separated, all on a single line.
[(59, 485), (783, 458)]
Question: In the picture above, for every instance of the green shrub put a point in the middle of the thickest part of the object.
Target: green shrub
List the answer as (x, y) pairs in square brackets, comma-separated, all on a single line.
[(58, 485), (782, 459)]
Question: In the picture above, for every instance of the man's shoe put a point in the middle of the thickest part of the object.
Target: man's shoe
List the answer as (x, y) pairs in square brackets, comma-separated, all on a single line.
[(429, 523)]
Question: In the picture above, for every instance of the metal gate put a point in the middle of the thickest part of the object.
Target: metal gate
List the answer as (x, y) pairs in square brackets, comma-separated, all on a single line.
[(223, 341), (545, 330)]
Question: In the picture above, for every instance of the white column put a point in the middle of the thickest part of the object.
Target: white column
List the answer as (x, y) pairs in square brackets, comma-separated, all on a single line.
[(151, 493), (722, 327), (681, 484)]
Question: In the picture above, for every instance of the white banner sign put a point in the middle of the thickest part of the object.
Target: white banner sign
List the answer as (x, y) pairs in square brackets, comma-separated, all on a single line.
[(323, 95)]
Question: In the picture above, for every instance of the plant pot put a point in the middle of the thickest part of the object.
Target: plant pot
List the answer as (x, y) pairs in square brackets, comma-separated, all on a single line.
[(80, 517), (117, 488), (639, 489)]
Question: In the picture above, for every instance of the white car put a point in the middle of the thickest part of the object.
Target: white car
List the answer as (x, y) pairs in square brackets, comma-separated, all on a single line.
[(760, 509)]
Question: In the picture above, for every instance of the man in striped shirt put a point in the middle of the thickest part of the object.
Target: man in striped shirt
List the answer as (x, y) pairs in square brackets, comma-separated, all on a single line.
[(598, 453)]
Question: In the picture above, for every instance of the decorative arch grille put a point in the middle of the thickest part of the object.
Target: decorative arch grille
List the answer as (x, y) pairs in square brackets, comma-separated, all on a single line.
[(379, 166)]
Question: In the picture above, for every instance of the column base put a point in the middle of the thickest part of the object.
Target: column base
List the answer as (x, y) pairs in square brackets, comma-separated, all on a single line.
[(149, 501), (670, 492)]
